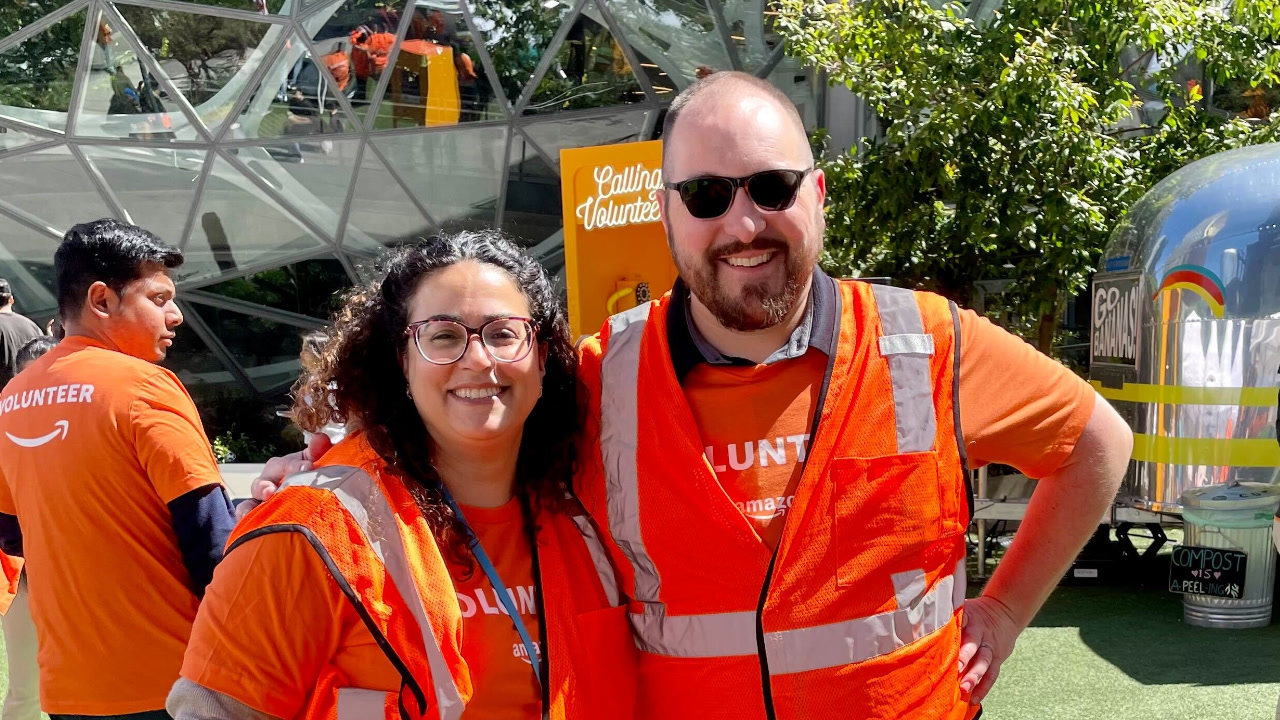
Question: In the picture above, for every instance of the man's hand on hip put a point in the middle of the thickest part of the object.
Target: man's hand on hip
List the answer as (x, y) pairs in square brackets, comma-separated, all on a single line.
[(987, 640)]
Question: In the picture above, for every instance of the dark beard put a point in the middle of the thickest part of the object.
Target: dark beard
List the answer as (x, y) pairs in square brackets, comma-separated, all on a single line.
[(757, 308)]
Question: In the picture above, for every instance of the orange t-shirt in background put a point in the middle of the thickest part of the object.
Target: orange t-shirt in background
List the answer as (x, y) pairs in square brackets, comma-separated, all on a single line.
[(266, 639), (1017, 407), (93, 445)]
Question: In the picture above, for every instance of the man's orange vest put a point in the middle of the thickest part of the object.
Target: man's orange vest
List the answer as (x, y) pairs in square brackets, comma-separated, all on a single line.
[(372, 537), (857, 613)]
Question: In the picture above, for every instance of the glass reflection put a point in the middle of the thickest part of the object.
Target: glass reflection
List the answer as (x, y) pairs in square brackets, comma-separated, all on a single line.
[(156, 186), (36, 75), (455, 175), (676, 40), (517, 35), (122, 97), (312, 176), (210, 59), (382, 213), (437, 78), (555, 136), (239, 226), (590, 70)]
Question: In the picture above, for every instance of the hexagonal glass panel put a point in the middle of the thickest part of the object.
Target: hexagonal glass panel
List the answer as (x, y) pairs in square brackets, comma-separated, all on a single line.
[(26, 261), (676, 41)]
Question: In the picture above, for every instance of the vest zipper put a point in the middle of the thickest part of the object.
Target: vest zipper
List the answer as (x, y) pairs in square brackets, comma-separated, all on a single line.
[(766, 685)]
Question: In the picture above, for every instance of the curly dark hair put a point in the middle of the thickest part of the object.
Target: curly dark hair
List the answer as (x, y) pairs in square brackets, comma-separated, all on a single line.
[(360, 367)]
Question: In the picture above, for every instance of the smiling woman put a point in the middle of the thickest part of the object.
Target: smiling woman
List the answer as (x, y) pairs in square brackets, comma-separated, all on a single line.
[(458, 367)]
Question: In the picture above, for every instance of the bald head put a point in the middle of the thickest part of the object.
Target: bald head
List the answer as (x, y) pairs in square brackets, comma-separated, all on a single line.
[(719, 91)]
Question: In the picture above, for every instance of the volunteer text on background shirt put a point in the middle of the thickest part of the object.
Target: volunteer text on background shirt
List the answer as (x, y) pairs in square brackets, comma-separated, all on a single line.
[(1017, 406), (301, 592), (94, 444)]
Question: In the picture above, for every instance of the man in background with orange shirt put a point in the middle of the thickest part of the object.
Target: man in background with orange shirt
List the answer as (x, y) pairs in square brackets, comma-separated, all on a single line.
[(109, 487)]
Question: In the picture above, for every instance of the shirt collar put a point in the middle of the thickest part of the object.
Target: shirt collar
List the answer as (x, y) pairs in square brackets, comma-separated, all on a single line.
[(689, 347)]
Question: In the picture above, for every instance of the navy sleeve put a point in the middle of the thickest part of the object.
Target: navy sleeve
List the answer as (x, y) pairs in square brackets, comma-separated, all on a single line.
[(202, 519), (10, 535)]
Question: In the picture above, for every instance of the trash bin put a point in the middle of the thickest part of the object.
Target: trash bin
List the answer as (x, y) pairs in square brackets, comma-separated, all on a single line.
[(1232, 517)]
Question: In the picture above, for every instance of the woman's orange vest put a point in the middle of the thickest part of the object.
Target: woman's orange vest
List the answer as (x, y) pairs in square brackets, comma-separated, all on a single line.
[(857, 613), (370, 534)]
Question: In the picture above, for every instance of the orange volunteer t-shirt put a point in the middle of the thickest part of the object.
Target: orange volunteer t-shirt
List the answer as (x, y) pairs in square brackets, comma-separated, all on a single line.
[(94, 444), (265, 639), (1017, 407)]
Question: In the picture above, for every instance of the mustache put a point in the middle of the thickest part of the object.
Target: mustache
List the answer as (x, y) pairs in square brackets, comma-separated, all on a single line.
[(737, 246)]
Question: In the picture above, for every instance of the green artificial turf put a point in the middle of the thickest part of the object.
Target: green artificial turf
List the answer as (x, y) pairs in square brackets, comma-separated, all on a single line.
[(1124, 653)]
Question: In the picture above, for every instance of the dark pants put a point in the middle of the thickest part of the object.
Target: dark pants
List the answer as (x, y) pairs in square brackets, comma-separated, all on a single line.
[(148, 715)]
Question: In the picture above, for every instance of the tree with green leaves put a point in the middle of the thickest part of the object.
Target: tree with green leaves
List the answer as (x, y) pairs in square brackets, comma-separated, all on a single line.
[(1013, 143)]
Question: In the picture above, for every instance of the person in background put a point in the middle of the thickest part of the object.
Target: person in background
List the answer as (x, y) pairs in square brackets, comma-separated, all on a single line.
[(22, 700), (108, 484), (15, 332), (434, 565)]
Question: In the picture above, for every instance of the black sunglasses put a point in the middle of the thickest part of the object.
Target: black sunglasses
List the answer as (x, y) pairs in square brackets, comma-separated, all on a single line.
[(711, 196)]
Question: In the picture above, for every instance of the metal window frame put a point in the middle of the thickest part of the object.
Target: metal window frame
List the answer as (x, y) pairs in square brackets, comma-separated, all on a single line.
[(202, 330), (548, 56), (726, 33), (84, 67), (157, 72), (266, 312), (495, 81)]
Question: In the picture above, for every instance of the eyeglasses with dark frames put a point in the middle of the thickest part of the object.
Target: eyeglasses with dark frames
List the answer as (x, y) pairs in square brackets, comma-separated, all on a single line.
[(443, 341)]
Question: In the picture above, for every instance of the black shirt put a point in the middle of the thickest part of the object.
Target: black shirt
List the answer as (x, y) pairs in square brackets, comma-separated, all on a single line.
[(15, 332)]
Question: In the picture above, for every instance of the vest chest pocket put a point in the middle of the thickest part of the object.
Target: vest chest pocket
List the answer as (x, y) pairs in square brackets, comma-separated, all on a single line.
[(884, 507)]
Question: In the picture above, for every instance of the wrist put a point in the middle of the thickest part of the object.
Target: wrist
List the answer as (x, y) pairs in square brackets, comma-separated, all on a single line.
[(1009, 610)]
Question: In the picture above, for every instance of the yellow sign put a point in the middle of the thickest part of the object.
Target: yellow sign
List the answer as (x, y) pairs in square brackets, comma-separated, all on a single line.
[(615, 247)]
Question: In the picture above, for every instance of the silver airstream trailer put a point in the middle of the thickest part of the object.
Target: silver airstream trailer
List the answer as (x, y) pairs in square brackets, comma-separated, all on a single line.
[(1185, 327)]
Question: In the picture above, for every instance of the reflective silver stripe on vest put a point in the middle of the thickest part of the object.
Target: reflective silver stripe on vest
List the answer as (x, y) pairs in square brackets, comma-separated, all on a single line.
[(361, 704), (619, 377), (600, 559), (909, 372), (919, 615), (695, 636), (361, 496)]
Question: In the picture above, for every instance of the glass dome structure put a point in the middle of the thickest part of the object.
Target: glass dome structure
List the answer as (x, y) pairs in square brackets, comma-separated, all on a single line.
[(282, 143)]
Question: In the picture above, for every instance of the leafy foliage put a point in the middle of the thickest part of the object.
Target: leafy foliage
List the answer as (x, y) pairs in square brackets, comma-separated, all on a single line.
[(1012, 146), (40, 71)]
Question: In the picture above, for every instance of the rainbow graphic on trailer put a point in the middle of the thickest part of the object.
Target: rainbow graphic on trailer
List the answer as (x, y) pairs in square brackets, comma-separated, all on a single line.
[(1198, 280)]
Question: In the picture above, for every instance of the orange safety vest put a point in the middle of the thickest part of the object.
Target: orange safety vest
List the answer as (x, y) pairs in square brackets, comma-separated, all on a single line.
[(372, 537), (857, 613)]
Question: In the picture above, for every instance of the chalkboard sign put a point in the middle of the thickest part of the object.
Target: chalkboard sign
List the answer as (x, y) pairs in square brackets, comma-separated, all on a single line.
[(1207, 571)]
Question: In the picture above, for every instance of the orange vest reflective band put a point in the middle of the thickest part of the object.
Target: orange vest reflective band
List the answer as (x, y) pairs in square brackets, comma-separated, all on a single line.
[(382, 554), (857, 612), (387, 565)]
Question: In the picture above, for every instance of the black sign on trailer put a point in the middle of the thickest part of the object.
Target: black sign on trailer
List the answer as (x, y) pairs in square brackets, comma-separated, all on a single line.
[(1115, 328), (1207, 571)]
